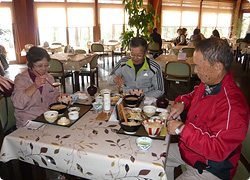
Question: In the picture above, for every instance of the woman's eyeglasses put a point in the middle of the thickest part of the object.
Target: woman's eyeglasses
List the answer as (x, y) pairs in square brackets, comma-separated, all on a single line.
[(42, 65)]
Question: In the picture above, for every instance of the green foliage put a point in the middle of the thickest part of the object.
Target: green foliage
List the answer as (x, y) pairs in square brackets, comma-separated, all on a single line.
[(3, 34), (140, 19)]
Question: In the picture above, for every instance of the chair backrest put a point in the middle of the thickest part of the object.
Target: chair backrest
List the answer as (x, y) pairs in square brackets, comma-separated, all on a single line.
[(94, 62), (178, 69), (56, 43), (80, 51), (239, 40), (3, 113), (56, 66), (96, 47), (242, 45), (154, 46), (193, 42), (246, 146), (113, 40), (188, 51)]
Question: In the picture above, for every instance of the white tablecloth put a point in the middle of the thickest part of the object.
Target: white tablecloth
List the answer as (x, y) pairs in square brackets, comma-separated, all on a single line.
[(89, 148)]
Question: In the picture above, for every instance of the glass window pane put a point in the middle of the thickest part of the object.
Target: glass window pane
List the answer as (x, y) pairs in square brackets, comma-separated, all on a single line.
[(209, 19), (80, 30), (85, 1), (189, 18), (111, 23), (52, 28), (174, 20), (245, 24), (48, 0), (224, 20), (6, 33)]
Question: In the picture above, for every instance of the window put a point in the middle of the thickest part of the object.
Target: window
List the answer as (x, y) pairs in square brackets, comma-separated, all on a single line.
[(80, 22), (52, 28), (245, 24), (111, 23), (6, 33)]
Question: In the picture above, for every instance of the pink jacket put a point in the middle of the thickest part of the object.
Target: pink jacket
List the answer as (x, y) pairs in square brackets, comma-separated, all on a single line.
[(29, 108)]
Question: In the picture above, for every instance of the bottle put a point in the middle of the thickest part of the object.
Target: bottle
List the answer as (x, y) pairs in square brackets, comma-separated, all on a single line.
[(106, 102)]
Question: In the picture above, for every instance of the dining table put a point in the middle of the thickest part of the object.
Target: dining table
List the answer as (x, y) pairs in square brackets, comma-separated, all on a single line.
[(163, 59), (73, 62), (175, 49), (90, 148)]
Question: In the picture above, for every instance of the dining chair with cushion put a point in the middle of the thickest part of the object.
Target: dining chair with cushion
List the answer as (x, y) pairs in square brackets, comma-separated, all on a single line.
[(7, 118), (91, 71), (57, 71), (98, 48), (188, 51), (154, 49), (80, 51), (177, 72)]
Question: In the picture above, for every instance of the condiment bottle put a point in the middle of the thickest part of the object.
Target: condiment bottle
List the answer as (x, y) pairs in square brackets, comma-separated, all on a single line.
[(106, 102)]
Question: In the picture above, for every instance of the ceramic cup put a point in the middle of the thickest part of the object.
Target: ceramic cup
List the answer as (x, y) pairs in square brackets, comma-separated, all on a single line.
[(73, 115)]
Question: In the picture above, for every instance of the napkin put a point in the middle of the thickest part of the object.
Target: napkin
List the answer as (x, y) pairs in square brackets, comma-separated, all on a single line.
[(33, 125), (150, 100)]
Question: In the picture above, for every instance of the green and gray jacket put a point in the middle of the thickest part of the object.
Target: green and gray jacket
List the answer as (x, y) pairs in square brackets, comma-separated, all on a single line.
[(149, 77)]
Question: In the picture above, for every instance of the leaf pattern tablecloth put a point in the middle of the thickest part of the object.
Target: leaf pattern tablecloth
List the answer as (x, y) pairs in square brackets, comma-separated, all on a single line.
[(90, 148)]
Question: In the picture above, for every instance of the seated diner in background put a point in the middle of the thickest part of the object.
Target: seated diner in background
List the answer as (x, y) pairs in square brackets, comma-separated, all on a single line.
[(181, 39), (215, 34), (32, 93), (138, 72), (217, 120), (196, 35)]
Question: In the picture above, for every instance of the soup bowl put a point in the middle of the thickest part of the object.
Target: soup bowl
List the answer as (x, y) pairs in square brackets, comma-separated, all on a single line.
[(131, 127), (59, 107), (131, 100)]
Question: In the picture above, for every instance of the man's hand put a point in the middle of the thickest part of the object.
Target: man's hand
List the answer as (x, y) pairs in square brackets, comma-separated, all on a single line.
[(172, 125), (118, 80), (175, 111)]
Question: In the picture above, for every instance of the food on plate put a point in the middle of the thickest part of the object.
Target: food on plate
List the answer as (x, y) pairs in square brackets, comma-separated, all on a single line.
[(114, 99), (58, 106), (132, 98), (154, 125)]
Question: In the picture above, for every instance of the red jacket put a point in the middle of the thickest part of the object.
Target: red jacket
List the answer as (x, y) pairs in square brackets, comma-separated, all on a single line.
[(214, 129)]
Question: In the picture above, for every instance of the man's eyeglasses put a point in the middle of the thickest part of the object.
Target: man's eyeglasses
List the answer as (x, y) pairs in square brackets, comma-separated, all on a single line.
[(42, 65), (139, 57)]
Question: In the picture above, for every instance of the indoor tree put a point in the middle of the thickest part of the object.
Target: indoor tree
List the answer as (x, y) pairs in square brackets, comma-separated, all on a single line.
[(140, 21)]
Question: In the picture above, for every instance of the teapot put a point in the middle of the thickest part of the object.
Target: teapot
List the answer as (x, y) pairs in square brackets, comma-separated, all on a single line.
[(162, 102)]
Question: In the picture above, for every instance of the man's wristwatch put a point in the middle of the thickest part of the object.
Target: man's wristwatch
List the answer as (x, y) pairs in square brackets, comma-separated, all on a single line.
[(178, 129)]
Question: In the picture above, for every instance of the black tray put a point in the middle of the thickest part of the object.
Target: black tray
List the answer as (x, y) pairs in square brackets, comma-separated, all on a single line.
[(83, 110), (138, 103)]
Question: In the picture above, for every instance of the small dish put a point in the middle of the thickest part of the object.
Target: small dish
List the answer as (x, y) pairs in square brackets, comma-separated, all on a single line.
[(63, 121), (152, 126), (97, 106), (74, 109), (149, 110), (137, 92), (73, 115), (51, 116), (157, 118), (144, 143), (131, 127)]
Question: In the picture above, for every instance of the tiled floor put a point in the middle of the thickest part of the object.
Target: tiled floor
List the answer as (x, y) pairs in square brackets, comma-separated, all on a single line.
[(242, 79)]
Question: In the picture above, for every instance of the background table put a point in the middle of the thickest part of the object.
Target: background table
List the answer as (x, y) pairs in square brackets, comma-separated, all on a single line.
[(89, 148), (73, 63)]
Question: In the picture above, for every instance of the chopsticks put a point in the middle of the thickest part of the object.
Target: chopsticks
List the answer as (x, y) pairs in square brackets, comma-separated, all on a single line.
[(46, 78), (123, 113)]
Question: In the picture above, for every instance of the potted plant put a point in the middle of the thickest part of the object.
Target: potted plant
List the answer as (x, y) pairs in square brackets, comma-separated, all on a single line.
[(140, 21)]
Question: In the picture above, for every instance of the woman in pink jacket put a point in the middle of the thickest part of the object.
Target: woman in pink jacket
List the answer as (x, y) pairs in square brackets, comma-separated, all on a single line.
[(32, 94)]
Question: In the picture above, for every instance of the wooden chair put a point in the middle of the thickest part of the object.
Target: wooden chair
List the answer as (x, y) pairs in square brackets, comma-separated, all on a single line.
[(80, 51), (188, 51), (57, 71), (8, 120), (238, 54), (98, 48), (91, 71), (177, 72), (154, 48)]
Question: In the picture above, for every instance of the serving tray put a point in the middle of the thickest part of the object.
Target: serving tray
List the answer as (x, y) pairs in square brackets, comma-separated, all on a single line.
[(83, 110)]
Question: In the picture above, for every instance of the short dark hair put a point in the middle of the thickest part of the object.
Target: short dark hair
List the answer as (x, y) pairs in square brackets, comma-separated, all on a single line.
[(197, 31), (216, 33), (139, 41), (155, 30), (36, 54), (216, 50)]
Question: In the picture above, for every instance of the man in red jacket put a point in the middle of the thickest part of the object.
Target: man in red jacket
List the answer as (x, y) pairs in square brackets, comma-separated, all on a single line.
[(217, 120)]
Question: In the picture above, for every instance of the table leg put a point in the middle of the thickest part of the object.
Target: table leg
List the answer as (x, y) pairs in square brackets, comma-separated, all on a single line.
[(77, 85), (113, 58)]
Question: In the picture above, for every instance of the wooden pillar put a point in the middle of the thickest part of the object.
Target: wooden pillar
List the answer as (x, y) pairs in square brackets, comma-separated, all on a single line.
[(157, 6), (96, 29), (199, 18), (24, 26), (236, 16)]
